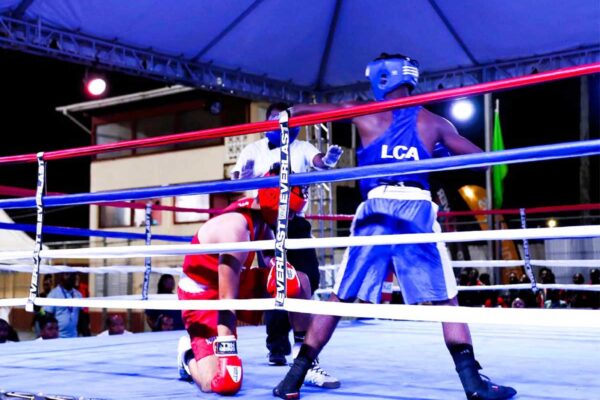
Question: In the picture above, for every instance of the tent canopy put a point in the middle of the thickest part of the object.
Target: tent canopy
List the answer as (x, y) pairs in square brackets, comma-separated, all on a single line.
[(294, 49)]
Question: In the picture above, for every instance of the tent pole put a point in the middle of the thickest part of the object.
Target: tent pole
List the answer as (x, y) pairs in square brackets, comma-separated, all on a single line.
[(488, 110)]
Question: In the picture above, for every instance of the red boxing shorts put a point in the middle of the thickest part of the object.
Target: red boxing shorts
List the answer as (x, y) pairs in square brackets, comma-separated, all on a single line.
[(202, 324)]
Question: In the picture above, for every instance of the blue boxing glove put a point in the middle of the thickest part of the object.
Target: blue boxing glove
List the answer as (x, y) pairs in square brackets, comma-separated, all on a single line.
[(333, 155)]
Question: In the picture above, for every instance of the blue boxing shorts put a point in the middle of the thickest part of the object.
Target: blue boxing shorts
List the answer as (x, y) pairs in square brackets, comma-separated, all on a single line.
[(423, 270)]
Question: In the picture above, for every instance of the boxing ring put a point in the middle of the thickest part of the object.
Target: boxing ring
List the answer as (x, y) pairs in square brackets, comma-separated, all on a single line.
[(545, 354), (542, 363)]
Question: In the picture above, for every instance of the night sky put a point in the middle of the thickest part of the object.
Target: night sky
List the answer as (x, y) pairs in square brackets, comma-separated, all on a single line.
[(32, 87), (536, 115)]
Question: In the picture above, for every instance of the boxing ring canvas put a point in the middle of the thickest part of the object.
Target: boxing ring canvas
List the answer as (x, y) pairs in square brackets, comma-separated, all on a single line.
[(374, 359)]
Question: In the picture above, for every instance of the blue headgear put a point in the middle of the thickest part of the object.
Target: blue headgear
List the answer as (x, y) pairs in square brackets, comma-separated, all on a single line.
[(275, 136), (387, 75)]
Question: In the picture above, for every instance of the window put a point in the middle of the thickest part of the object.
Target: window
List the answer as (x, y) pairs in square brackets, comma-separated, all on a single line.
[(133, 123), (202, 201), (112, 133), (119, 217), (155, 126), (192, 201), (113, 217), (196, 120)]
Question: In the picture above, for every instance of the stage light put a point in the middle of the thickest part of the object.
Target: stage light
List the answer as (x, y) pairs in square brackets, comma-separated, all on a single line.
[(95, 84), (462, 110), (551, 223)]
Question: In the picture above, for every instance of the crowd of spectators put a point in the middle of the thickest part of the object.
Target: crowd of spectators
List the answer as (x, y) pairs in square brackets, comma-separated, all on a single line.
[(62, 322), (53, 322), (526, 298)]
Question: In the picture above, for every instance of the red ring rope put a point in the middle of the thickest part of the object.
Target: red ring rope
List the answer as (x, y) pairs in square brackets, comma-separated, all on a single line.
[(339, 114), (22, 192)]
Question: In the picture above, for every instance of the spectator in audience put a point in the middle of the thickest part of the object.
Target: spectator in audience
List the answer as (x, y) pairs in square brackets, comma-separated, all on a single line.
[(485, 279), (527, 295), (464, 296), (114, 326), (511, 294), (166, 285), (165, 323), (517, 303), (48, 327), (46, 285), (38, 312), (546, 275), (595, 296), (4, 330), (474, 277), (495, 300), (554, 300), (595, 276), (470, 277), (579, 298), (67, 317), (7, 333), (484, 295), (83, 324)]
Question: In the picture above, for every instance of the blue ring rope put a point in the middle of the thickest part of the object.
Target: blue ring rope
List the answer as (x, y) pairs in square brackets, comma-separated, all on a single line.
[(59, 230), (513, 156)]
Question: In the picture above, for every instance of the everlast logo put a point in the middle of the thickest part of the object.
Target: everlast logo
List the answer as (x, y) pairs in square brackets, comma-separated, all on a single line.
[(399, 152), (226, 348)]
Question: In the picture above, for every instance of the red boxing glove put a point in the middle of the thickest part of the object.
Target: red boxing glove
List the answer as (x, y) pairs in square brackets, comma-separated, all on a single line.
[(293, 288), (228, 379)]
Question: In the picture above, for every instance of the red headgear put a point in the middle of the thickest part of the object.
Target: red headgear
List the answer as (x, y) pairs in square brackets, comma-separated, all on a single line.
[(268, 199)]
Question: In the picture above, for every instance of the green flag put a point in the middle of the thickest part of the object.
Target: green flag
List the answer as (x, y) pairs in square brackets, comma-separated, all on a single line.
[(498, 171)]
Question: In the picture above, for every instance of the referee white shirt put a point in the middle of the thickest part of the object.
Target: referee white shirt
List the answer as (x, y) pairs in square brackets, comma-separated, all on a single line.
[(302, 154)]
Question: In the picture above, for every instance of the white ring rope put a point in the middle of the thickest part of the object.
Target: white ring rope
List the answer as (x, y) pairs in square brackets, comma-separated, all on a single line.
[(595, 263), (502, 316), (291, 244), (111, 269), (520, 263), (525, 286), (126, 269), (518, 286)]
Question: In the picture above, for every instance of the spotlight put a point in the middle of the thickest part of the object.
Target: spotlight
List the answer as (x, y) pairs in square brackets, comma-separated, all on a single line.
[(462, 110), (95, 84), (551, 223)]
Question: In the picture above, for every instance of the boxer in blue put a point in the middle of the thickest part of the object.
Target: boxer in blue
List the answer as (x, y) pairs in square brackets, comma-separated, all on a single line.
[(399, 204)]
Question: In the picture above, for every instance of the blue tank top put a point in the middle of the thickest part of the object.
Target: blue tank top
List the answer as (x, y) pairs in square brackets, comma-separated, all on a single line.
[(399, 143)]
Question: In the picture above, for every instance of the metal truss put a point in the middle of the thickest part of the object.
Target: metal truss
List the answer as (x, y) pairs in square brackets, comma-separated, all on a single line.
[(38, 39), (430, 82)]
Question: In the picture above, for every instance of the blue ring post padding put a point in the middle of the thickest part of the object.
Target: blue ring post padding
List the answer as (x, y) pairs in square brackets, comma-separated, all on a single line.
[(513, 156), (59, 230)]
